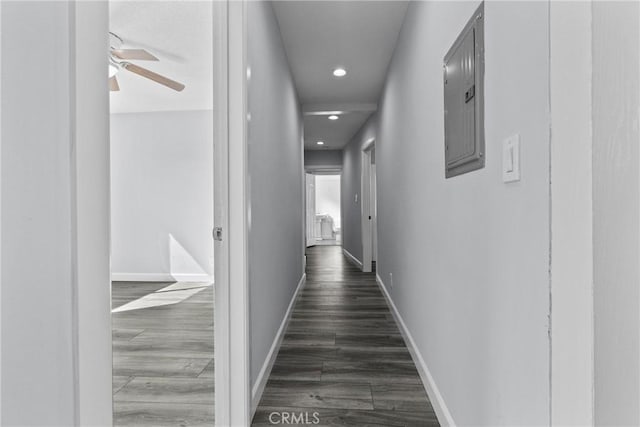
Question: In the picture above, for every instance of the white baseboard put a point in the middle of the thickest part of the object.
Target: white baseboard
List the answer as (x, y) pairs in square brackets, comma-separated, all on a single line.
[(160, 277), (263, 376), (351, 258), (437, 401)]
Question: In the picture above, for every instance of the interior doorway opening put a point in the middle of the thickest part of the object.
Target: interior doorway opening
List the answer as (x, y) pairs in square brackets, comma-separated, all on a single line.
[(162, 212), (369, 208), (323, 210)]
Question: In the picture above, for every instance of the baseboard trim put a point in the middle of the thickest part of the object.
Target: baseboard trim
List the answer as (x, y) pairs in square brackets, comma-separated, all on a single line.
[(160, 277), (437, 401), (351, 258), (263, 376)]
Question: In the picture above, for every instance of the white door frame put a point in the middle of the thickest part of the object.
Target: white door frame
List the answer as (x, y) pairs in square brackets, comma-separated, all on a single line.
[(571, 285), (90, 226), (331, 171), (309, 209), (91, 231), (233, 384), (374, 210), (365, 206)]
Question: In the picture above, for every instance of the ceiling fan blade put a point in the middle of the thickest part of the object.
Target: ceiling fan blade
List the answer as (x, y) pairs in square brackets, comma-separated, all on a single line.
[(133, 54), (113, 84), (153, 76)]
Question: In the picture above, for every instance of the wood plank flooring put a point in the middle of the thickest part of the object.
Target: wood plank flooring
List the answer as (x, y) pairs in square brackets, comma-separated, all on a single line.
[(163, 354), (343, 357)]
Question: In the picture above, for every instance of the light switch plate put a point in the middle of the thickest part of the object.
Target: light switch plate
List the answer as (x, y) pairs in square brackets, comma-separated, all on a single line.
[(511, 159)]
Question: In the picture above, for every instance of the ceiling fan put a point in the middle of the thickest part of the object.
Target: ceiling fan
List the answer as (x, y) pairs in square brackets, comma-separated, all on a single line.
[(119, 60)]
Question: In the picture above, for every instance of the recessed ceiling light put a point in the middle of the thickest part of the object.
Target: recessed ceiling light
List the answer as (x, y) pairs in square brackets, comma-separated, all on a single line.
[(333, 117), (339, 72), (320, 142)]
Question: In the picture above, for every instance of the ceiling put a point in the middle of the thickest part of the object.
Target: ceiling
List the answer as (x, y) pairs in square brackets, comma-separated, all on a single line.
[(321, 35), (318, 36), (180, 34)]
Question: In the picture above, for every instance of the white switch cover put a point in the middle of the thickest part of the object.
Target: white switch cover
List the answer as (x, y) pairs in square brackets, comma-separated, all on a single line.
[(511, 159)]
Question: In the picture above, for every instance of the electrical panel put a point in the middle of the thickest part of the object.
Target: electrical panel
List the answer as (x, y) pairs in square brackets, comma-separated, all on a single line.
[(464, 99)]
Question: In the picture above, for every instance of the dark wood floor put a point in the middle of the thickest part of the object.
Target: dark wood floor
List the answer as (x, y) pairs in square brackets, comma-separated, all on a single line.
[(163, 354), (343, 358)]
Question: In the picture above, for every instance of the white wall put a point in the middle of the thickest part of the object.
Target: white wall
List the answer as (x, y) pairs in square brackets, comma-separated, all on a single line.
[(162, 195), (56, 337), (36, 141), (328, 196), (616, 212), (470, 254), (275, 169)]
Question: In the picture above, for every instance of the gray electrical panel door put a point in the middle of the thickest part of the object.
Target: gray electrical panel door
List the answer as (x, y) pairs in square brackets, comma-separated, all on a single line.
[(464, 100)]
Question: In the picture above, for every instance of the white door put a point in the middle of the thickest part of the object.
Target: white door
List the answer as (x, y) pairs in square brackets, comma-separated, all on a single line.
[(310, 209)]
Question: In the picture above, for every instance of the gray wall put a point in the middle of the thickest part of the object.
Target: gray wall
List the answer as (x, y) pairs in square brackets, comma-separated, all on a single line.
[(616, 212), (469, 255), (350, 187), (323, 157), (162, 196), (275, 174)]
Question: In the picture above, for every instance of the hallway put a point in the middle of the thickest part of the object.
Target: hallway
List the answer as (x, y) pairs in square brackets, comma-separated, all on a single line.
[(343, 357)]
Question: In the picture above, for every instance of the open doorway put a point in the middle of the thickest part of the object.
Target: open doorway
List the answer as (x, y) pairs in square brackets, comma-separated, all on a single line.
[(162, 213), (369, 208), (324, 216)]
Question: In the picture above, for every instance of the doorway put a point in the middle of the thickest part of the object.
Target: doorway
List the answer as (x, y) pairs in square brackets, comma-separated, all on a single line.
[(369, 207), (323, 210), (162, 214), (91, 186)]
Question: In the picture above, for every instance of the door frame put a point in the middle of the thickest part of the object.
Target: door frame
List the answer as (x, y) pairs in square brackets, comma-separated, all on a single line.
[(233, 381), (91, 225), (316, 170), (365, 206), (309, 205)]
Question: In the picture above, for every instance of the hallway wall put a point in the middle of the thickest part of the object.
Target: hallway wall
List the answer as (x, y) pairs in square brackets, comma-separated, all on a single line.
[(162, 196), (469, 255), (275, 168), (616, 209), (323, 157)]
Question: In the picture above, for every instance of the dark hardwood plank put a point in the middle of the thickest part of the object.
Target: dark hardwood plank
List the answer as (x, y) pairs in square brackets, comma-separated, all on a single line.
[(163, 354), (346, 417), (158, 366), (370, 340), (401, 397), (297, 371), (145, 414), (372, 372), (317, 394), (342, 344), (170, 390), (119, 381), (317, 339)]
